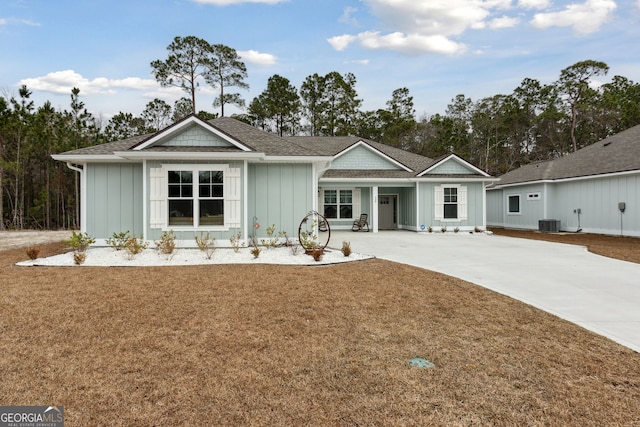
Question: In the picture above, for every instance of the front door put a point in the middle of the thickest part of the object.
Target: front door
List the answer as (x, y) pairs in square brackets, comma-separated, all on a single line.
[(387, 212)]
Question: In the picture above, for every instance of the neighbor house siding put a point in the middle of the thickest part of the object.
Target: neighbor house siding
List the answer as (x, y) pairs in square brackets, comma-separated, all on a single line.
[(114, 199), (280, 195), (598, 200), (495, 208)]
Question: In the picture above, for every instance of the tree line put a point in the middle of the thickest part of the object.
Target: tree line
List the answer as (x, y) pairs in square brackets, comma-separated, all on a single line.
[(498, 133)]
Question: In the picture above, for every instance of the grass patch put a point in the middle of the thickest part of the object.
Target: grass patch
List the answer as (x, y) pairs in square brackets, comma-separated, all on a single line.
[(320, 345)]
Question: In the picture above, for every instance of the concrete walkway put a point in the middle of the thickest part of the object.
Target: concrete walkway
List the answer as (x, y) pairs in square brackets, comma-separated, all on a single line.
[(595, 292)]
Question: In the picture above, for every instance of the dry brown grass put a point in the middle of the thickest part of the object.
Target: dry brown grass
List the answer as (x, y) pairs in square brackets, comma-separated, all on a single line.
[(281, 345), (624, 248)]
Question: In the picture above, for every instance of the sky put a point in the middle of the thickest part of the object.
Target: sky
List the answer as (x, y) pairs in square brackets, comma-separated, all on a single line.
[(435, 48)]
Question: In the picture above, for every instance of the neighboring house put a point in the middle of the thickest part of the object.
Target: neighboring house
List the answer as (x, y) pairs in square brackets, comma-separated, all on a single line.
[(595, 190), (224, 176)]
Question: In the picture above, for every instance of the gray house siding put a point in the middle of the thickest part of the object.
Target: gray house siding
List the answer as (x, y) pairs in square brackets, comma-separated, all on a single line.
[(114, 199), (597, 199), (475, 208), (279, 194), (495, 208)]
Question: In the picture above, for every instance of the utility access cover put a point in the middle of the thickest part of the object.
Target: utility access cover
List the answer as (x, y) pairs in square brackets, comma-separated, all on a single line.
[(421, 362)]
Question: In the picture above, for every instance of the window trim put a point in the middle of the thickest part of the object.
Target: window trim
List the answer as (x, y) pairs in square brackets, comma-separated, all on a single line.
[(338, 204), (462, 202), (195, 169), (509, 211)]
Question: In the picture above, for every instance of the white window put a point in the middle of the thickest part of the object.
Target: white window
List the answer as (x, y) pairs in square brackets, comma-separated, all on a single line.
[(534, 196), (198, 203), (194, 196), (338, 204), (450, 203), (513, 204)]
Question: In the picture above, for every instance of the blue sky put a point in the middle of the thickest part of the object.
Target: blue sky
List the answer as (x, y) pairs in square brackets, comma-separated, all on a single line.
[(436, 48)]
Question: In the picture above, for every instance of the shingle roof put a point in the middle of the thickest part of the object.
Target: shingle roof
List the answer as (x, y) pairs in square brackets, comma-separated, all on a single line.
[(109, 147), (331, 146), (274, 146), (618, 153)]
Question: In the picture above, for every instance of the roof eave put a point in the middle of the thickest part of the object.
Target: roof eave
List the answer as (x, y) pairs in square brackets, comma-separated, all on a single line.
[(185, 155)]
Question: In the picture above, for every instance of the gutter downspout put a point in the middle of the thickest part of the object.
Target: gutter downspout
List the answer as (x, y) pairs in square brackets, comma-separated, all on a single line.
[(317, 172), (83, 203)]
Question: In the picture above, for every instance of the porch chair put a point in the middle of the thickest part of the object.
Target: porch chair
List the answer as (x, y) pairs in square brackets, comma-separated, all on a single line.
[(361, 223)]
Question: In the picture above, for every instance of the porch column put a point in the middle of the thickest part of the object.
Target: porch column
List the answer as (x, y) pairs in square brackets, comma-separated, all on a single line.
[(374, 210)]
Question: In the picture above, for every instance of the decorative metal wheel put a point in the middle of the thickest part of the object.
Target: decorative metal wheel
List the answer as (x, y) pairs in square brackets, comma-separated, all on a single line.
[(314, 231)]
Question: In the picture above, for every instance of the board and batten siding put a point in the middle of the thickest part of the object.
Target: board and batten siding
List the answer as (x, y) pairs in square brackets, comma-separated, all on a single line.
[(114, 199), (427, 208), (533, 199), (597, 199), (280, 195)]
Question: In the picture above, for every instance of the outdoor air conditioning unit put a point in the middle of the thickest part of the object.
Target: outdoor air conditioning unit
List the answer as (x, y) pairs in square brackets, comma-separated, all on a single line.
[(549, 225)]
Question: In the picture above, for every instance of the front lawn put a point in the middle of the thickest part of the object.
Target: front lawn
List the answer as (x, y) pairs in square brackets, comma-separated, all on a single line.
[(292, 345)]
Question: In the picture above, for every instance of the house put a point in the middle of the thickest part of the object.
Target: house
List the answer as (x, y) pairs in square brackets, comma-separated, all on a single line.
[(595, 190), (224, 177)]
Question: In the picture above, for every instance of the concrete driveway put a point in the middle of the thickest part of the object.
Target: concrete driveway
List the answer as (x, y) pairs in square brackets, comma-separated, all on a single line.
[(595, 292)]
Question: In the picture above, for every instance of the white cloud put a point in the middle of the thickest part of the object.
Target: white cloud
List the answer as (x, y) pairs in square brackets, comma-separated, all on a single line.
[(62, 82), (255, 57), (347, 16), (426, 26), (230, 2), (405, 43), (503, 22), (534, 4), (16, 21), (341, 42), (584, 18)]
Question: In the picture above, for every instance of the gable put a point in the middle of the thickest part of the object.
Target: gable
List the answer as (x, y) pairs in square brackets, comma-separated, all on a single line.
[(191, 132), (194, 136), (360, 157), (450, 167)]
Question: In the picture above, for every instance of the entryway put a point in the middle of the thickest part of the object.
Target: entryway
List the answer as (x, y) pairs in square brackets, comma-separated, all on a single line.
[(387, 212)]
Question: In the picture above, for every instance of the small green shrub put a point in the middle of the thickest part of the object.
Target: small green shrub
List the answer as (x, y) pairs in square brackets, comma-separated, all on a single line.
[(167, 242), (206, 244), (80, 242), (118, 241), (430, 229), (346, 248), (443, 229), (272, 240), (255, 251), (308, 238), (33, 252), (455, 230)]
